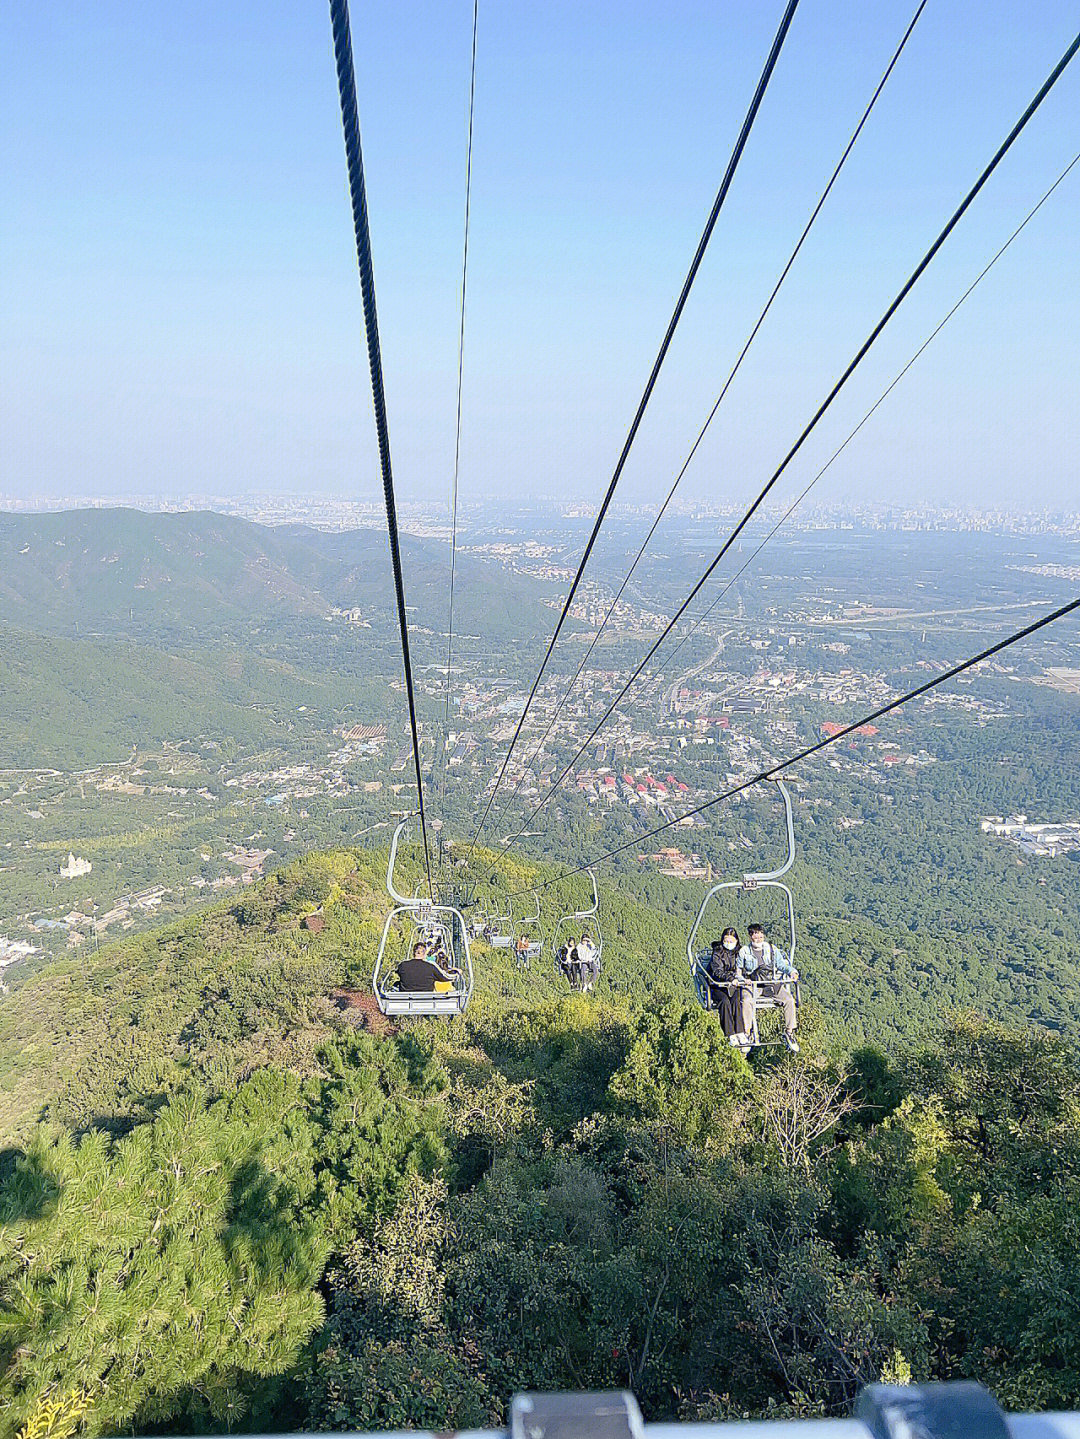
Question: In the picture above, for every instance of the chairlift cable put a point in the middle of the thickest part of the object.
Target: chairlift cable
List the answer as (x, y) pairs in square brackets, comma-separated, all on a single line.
[(719, 401), (881, 398), (774, 770), (860, 355), (721, 195), (460, 375), (350, 123)]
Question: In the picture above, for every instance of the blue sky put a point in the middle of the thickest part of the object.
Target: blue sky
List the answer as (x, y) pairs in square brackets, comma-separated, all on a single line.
[(180, 307)]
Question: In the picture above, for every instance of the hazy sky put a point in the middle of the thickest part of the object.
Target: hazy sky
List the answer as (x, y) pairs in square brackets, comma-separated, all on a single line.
[(180, 305)]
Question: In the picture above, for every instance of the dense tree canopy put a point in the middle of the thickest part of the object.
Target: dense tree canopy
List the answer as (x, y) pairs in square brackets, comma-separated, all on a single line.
[(226, 1204)]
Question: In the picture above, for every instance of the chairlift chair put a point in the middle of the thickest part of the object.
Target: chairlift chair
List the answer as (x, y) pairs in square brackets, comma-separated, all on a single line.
[(500, 932), (413, 919), (528, 928), (563, 931), (771, 879)]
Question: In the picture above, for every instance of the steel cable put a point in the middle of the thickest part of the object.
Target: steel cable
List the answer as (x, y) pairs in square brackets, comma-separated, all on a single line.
[(776, 769), (908, 286), (716, 406), (871, 411), (460, 375), (350, 124), (740, 144)]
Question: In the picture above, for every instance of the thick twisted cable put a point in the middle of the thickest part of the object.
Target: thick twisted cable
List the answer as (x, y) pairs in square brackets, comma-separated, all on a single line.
[(350, 124)]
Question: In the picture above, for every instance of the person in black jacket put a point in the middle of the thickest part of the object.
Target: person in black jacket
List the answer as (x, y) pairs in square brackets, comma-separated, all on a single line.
[(419, 975), (727, 989), (568, 961)]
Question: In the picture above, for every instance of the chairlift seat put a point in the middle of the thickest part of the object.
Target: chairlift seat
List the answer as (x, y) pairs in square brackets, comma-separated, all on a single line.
[(579, 919), (771, 1001), (416, 919), (395, 1003)]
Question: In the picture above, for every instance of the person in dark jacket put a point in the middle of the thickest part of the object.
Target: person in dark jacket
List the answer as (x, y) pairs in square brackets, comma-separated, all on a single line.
[(569, 962), (728, 990), (420, 975)]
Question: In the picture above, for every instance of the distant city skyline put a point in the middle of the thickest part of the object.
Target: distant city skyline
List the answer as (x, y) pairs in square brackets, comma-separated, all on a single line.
[(330, 511), (177, 278)]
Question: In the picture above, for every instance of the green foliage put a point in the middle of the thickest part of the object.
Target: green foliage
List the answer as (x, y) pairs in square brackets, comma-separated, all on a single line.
[(681, 1072), (171, 1273), (243, 1211), (163, 1261), (387, 1357)]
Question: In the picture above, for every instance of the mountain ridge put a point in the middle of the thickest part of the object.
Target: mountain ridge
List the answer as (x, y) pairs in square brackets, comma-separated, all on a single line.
[(124, 570)]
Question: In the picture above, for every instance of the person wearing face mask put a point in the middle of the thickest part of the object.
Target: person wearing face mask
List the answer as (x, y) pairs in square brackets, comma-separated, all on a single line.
[(770, 973), (727, 989)]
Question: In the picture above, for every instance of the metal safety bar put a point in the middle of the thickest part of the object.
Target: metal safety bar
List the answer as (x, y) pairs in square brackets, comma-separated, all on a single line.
[(931, 1411)]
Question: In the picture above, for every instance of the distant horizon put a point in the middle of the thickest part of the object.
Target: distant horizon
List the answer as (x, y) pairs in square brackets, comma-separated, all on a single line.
[(251, 505)]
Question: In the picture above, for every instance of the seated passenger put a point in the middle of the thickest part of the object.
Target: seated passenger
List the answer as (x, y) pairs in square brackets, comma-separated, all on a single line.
[(588, 957), (728, 990), (568, 960), (521, 949), (423, 975), (439, 957), (768, 968)]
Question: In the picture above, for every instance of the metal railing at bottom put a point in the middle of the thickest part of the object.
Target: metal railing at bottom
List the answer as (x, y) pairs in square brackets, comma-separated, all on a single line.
[(959, 1410)]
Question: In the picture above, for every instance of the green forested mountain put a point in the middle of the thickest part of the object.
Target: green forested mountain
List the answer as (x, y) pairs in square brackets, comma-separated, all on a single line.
[(230, 1199), (114, 567), (72, 702), (194, 574), (120, 628), (231, 1196)]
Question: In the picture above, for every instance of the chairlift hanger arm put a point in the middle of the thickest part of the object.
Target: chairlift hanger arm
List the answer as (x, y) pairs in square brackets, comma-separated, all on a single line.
[(593, 908), (765, 876), (402, 899)]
